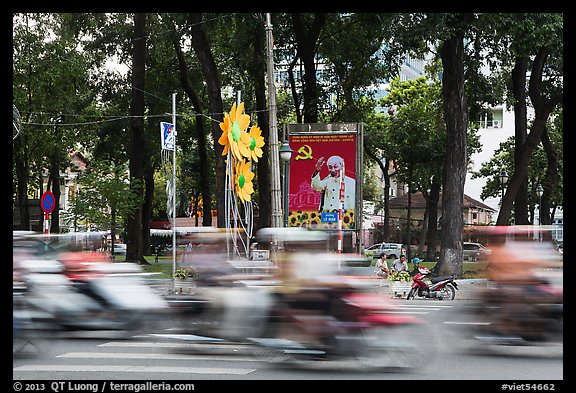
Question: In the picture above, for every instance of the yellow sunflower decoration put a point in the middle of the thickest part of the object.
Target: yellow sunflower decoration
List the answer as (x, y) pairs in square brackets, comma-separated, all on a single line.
[(243, 180), (234, 135), (256, 142)]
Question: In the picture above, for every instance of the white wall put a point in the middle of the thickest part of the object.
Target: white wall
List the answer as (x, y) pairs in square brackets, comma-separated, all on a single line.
[(490, 139)]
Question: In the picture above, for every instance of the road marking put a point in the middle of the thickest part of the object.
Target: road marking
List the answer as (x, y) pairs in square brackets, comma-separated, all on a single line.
[(188, 337), (133, 369), (155, 356), (148, 344), (405, 312)]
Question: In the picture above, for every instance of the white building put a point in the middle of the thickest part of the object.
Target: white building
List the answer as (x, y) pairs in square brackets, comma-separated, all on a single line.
[(494, 129)]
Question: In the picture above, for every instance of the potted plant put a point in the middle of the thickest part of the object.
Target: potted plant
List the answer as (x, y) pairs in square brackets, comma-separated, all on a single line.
[(184, 278), (184, 273), (401, 283)]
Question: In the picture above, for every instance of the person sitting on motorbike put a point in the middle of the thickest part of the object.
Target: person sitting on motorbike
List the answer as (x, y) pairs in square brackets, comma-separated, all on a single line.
[(400, 264), (518, 292)]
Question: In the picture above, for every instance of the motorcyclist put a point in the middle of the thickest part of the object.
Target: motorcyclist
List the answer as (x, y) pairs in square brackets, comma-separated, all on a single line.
[(517, 291)]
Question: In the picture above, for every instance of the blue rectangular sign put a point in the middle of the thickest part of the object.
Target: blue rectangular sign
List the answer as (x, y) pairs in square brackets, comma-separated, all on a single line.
[(167, 136), (329, 217)]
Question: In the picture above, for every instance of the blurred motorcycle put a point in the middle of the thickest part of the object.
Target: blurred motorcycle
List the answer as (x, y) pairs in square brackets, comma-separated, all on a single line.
[(117, 298), (326, 327), (519, 314)]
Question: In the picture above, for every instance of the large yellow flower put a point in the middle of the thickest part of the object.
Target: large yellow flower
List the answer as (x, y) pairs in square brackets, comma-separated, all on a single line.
[(234, 135), (243, 180), (256, 142)]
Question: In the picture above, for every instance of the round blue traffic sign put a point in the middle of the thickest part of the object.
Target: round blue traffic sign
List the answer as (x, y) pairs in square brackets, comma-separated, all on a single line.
[(47, 202)]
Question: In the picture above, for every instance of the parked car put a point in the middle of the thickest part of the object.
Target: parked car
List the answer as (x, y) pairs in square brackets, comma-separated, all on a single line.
[(474, 251), (119, 249), (393, 250)]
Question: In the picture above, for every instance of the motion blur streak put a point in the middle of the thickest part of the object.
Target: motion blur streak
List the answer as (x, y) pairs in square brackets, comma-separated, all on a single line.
[(57, 288), (523, 301)]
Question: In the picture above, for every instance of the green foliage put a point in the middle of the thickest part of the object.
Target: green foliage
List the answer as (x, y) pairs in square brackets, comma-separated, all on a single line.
[(402, 276), (104, 195), (185, 272)]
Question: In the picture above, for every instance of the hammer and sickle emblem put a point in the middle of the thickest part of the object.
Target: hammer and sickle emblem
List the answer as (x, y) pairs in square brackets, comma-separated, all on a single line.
[(305, 153)]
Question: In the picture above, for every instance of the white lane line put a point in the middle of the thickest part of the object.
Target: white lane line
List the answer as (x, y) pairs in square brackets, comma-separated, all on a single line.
[(426, 306), (404, 312), (154, 356), (188, 337), (133, 369), (150, 344)]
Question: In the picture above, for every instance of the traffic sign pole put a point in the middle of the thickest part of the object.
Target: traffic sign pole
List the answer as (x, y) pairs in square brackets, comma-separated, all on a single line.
[(47, 203), (46, 223)]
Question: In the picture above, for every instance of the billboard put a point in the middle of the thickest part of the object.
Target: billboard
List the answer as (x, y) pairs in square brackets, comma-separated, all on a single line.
[(315, 181)]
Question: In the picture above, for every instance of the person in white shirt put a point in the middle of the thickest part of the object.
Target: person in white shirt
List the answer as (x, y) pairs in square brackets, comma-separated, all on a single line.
[(381, 268), (400, 264), (330, 185)]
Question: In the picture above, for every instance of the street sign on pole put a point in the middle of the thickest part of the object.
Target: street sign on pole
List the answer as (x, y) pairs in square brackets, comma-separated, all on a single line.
[(47, 203)]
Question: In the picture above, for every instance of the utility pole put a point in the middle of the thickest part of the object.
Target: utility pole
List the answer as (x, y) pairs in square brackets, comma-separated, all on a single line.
[(274, 154), (174, 188)]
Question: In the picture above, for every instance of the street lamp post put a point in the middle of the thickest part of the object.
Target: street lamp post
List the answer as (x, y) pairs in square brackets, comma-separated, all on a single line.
[(285, 156), (503, 180), (539, 192)]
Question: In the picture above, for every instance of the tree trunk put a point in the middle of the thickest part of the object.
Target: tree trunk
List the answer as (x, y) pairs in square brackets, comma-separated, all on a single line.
[(147, 207), (295, 97), (542, 108), (550, 181), (432, 232), (201, 130), (137, 142), (210, 73), (306, 41), (21, 164), (456, 117), (383, 165), (520, 133)]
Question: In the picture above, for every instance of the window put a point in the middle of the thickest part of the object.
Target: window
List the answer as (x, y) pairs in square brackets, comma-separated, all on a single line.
[(492, 119)]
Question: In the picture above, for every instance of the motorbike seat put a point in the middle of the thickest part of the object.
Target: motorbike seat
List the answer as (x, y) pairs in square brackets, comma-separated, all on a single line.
[(434, 280)]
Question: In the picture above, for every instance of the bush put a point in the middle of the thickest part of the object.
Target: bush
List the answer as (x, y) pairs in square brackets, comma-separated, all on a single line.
[(185, 272), (402, 276)]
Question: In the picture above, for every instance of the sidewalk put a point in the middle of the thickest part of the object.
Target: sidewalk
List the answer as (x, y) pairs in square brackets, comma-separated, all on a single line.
[(467, 288)]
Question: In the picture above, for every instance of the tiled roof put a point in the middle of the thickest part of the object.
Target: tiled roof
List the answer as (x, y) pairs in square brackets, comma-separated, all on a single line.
[(418, 202)]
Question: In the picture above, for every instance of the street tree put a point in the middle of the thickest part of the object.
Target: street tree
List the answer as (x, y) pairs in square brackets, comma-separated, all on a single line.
[(105, 196), (529, 47)]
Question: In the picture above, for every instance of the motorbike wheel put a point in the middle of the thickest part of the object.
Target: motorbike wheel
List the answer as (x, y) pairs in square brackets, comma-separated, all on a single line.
[(448, 292), (412, 294)]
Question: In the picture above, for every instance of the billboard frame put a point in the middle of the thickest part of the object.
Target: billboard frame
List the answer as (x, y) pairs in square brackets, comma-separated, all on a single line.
[(357, 129)]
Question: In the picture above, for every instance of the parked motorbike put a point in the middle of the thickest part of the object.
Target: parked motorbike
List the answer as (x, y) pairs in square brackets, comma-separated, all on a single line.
[(426, 285)]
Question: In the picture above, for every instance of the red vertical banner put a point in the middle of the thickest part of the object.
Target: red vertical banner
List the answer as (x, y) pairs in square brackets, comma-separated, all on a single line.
[(314, 199)]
